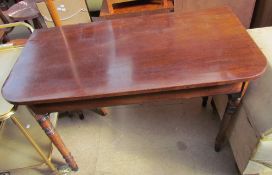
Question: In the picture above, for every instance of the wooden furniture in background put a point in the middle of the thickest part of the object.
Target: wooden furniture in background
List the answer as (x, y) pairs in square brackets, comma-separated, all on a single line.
[(111, 3), (169, 56), (134, 8), (242, 8), (24, 11), (262, 16)]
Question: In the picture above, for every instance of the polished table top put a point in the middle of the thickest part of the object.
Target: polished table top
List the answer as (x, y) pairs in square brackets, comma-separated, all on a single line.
[(134, 56)]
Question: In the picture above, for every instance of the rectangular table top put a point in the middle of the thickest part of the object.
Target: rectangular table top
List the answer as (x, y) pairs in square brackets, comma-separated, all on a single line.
[(134, 56)]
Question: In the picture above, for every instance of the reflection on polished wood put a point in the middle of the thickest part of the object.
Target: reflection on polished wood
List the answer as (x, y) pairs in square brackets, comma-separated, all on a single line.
[(134, 60), (134, 56)]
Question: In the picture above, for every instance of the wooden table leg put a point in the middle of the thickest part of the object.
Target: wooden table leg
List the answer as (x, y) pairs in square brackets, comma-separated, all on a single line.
[(214, 106), (234, 101), (37, 24), (101, 111), (48, 128)]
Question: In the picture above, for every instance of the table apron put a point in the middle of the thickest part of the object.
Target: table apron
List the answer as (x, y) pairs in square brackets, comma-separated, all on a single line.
[(136, 99)]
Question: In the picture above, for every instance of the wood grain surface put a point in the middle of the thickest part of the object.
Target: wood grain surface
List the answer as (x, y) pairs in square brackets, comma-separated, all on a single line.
[(131, 56)]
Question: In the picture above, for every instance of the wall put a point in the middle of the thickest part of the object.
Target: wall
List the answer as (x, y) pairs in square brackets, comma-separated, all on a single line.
[(242, 8)]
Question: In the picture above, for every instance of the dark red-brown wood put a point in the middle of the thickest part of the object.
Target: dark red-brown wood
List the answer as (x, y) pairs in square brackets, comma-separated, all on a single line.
[(136, 99), (53, 135), (134, 56), (135, 60)]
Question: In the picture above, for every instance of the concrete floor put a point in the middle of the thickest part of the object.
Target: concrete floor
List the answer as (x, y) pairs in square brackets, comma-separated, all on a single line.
[(170, 138)]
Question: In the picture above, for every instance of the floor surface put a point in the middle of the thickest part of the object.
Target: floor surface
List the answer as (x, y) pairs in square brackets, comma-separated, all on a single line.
[(170, 138)]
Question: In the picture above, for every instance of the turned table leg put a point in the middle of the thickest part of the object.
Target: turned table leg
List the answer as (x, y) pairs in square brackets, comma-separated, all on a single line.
[(37, 24), (48, 128), (234, 101), (232, 106)]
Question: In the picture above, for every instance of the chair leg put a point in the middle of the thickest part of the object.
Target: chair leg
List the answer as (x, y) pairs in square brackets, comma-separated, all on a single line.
[(5, 38), (34, 144), (81, 115), (37, 24), (214, 106), (26, 21)]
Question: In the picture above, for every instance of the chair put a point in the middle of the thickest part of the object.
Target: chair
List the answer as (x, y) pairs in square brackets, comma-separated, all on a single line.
[(23, 11), (10, 139)]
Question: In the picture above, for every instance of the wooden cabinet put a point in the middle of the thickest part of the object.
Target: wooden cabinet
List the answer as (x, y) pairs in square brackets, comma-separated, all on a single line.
[(242, 8)]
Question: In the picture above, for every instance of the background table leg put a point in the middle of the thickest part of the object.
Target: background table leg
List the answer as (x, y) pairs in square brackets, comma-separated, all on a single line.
[(205, 101), (102, 111), (214, 106), (232, 106), (48, 128)]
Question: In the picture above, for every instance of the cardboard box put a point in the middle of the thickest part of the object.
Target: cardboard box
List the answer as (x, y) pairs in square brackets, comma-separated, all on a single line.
[(69, 12)]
